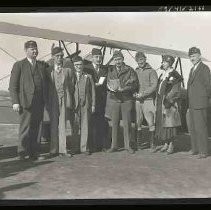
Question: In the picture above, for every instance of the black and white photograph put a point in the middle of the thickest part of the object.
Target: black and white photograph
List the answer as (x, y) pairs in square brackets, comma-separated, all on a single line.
[(105, 105)]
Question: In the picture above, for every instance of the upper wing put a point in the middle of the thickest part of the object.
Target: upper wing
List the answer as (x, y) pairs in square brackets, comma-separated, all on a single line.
[(9, 28)]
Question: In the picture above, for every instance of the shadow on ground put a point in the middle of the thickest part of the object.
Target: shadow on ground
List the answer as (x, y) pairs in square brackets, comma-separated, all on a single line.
[(14, 187), (11, 168)]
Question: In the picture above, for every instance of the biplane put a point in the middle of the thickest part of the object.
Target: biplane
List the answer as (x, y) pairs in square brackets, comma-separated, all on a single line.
[(105, 44)]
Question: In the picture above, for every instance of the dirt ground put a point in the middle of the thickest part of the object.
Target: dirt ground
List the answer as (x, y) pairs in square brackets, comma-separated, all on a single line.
[(107, 175), (101, 175)]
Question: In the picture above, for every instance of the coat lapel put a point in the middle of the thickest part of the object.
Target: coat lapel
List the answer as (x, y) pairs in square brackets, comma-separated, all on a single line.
[(193, 75), (122, 71), (39, 68), (28, 71)]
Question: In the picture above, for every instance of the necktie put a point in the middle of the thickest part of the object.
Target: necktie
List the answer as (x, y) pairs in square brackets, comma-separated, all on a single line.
[(33, 63), (97, 69)]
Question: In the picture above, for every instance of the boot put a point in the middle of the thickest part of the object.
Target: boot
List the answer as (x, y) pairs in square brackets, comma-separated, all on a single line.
[(139, 139), (152, 141)]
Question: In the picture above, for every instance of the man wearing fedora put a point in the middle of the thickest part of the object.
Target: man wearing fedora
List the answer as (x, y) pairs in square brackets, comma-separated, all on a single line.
[(99, 123), (122, 82), (199, 92), (28, 92), (84, 105), (60, 97)]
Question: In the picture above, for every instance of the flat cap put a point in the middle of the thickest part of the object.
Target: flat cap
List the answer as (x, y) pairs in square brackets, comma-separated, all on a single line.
[(96, 51), (140, 55), (56, 50), (77, 58), (117, 53), (194, 50), (168, 58), (30, 44)]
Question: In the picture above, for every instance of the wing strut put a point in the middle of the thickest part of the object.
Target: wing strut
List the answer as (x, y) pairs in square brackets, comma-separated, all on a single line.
[(104, 50), (180, 64)]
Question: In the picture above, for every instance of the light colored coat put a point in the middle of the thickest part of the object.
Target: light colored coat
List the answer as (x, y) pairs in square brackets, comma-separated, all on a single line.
[(68, 85)]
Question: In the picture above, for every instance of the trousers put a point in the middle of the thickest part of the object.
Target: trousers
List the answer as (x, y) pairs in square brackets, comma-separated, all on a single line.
[(30, 129), (58, 126), (123, 108), (145, 109), (197, 126)]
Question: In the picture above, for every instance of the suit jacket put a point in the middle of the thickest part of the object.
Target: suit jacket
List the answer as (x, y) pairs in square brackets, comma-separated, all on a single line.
[(21, 85), (100, 91), (199, 87), (84, 92), (68, 87)]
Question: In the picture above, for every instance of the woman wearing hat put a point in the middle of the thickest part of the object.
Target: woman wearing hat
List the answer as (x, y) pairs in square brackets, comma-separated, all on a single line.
[(167, 116)]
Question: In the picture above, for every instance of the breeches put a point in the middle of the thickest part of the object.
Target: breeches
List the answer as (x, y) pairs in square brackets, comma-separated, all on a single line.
[(145, 109)]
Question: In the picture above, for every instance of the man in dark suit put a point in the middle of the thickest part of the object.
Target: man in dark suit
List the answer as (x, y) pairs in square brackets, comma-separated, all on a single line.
[(199, 92), (99, 123), (28, 92)]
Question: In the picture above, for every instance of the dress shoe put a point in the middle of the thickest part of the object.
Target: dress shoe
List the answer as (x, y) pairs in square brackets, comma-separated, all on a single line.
[(52, 155), (170, 149), (87, 153), (164, 148), (104, 150), (23, 157), (152, 148), (131, 151), (34, 158), (193, 153), (65, 155), (202, 156), (111, 150), (143, 146)]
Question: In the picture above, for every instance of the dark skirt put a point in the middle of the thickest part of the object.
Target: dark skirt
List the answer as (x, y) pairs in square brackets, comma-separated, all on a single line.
[(169, 134), (162, 133)]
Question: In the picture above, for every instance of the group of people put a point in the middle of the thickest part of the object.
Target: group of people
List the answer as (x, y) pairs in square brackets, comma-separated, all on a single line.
[(87, 95)]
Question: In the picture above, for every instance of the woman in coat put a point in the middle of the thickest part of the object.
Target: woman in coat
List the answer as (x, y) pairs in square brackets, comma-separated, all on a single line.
[(167, 115)]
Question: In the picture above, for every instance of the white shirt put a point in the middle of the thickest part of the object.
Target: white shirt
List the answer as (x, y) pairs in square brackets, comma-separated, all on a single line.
[(31, 61), (57, 68), (78, 75), (96, 67), (196, 65)]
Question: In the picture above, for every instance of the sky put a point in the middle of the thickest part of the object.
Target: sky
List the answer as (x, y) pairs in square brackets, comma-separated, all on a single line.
[(173, 30)]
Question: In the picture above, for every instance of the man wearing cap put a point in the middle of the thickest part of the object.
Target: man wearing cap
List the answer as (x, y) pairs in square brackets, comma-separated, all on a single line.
[(99, 75), (28, 92), (199, 92), (145, 97), (122, 83), (84, 105), (61, 97)]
